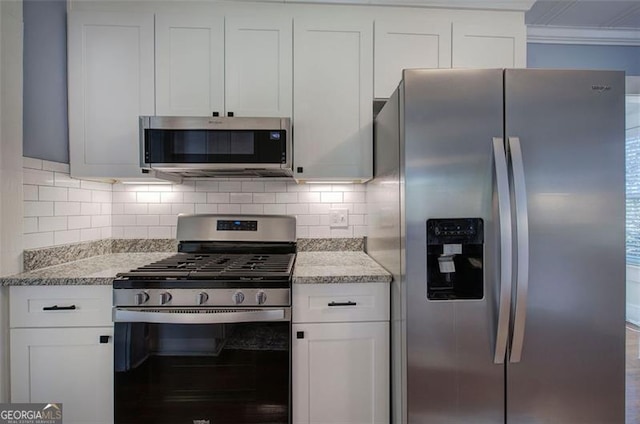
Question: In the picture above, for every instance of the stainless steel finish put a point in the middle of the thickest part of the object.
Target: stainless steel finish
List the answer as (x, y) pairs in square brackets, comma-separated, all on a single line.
[(522, 237), (219, 123), (165, 298), (506, 256), (238, 297), (214, 123), (433, 160), (261, 297), (141, 298), (271, 228), (445, 149), (571, 128), (190, 297), (202, 298), (199, 315)]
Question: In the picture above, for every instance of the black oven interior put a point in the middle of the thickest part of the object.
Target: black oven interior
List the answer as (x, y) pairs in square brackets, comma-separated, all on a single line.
[(216, 373)]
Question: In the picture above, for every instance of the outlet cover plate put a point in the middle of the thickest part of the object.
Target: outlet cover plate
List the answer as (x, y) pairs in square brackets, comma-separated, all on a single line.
[(339, 218)]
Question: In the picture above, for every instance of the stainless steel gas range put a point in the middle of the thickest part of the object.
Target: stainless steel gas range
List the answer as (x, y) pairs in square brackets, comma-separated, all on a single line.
[(204, 336)]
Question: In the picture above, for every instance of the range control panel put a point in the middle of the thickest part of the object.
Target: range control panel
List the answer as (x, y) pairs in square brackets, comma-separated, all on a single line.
[(237, 225)]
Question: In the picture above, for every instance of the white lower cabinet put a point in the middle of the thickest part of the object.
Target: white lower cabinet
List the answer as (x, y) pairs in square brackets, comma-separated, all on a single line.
[(340, 370), (62, 350), (65, 365)]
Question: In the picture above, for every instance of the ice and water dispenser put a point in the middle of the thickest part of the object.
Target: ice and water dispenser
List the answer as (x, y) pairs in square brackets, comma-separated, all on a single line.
[(455, 259)]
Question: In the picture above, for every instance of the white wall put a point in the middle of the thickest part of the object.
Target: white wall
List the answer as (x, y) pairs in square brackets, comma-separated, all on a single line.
[(10, 165), (59, 209)]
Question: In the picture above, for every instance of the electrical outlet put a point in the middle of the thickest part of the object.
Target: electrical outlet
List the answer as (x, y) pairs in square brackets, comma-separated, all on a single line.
[(339, 218)]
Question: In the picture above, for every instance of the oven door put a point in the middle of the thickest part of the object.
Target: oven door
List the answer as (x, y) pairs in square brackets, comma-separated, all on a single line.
[(202, 365)]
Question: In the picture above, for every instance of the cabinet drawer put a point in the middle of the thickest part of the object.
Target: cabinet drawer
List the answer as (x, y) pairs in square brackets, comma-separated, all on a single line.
[(340, 302), (60, 306)]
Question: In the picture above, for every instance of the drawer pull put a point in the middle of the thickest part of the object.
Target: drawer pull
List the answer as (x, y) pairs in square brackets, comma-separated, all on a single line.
[(349, 303), (59, 308)]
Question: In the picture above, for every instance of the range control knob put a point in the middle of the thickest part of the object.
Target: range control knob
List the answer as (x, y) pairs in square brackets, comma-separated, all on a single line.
[(165, 298), (261, 297), (202, 298), (238, 297), (141, 298)]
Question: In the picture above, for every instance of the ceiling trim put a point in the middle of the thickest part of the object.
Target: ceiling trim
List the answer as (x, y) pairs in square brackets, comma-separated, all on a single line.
[(575, 35)]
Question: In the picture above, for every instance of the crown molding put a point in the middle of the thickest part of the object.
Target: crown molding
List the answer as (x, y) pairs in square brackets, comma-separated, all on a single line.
[(583, 35)]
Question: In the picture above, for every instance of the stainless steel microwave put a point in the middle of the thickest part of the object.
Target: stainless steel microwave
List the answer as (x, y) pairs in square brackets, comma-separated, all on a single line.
[(216, 146)]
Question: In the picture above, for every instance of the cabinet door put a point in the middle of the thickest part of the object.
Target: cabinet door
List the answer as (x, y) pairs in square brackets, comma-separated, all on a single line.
[(189, 65), (111, 84), (405, 44), (65, 365), (489, 46), (333, 95), (341, 373), (259, 67)]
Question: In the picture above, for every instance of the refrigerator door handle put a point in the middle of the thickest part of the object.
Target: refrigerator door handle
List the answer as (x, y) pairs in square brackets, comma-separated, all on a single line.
[(522, 235), (504, 212)]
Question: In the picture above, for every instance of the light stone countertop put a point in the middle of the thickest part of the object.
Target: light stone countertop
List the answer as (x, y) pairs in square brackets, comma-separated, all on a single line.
[(337, 267), (97, 270), (310, 268)]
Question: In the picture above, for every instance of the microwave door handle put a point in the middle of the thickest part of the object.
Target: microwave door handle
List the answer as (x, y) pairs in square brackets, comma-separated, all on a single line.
[(522, 234), (504, 215)]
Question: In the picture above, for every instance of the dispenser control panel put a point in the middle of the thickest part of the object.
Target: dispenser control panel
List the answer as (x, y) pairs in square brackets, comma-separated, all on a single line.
[(455, 259)]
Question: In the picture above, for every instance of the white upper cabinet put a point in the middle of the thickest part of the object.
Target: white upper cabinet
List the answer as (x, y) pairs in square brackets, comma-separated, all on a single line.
[(489, 45), (259, 66), (189, 65), (110, 79), (333, 92), (405, 43), (206, 64)]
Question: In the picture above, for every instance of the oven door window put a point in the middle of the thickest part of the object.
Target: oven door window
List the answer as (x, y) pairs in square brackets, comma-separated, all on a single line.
[(214, 146), (214, 373)]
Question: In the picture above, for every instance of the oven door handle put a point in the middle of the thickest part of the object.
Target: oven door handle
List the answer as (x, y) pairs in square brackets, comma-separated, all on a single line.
[(199, 316)]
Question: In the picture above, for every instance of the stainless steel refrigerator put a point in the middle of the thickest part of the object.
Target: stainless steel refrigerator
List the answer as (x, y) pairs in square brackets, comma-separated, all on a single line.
[(498, 205)]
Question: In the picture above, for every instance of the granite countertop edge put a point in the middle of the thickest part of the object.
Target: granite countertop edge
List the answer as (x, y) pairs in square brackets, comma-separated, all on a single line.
[(330, 267)]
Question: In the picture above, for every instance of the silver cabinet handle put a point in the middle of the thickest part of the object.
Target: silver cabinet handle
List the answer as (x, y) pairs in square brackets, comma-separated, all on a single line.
[(198, 316), (522, 236), (504, 212)]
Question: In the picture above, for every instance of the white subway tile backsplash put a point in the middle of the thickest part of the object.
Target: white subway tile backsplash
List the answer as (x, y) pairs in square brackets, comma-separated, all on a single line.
[(148, 197), (188, 208), (279, 209), (52, 223), (53, 193), (37, 177), (31, 163), (59, 209), (79, 195), (172, 197), (66, 237), (29, 192), (286, 197), (331, 197), (217, 197), (55, 166), (67, 208), (100, 221), (38, 208), (64, 180), (77, 222), (206, 208), (241, 198), (159, 208)]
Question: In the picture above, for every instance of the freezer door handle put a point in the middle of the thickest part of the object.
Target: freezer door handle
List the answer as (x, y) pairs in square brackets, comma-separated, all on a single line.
[(522, 254), (504, 212)]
